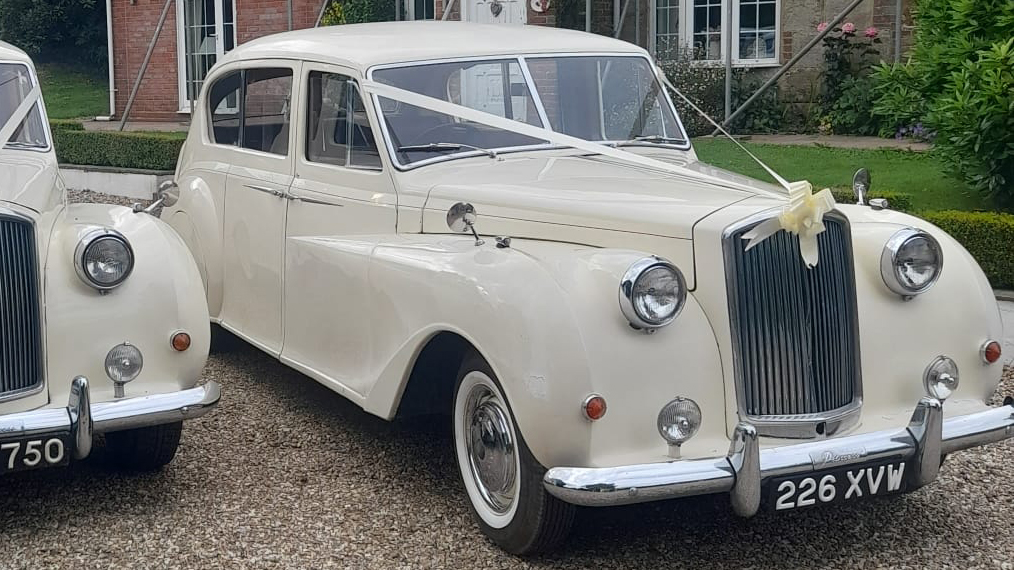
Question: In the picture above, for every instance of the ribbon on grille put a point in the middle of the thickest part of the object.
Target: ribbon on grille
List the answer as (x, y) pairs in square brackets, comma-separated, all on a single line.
[(9, 128), (803, 215)]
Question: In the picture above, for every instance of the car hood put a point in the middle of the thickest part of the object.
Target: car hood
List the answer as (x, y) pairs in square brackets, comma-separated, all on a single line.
[(30, 179), (553, 193)]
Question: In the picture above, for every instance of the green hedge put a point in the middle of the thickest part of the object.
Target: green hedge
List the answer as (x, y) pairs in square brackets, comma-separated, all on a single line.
[(897, 200), (66, 125), (148, 151), (988, 236)]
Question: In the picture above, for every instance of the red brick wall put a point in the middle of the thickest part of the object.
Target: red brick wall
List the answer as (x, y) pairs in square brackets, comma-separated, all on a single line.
[(134, 23)]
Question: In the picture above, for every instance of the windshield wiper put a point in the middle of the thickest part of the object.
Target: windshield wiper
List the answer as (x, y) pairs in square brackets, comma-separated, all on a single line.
[(445, 146), (656, 139)]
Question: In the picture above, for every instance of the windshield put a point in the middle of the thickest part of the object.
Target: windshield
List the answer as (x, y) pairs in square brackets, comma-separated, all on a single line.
[(609, 99), (15, 84)]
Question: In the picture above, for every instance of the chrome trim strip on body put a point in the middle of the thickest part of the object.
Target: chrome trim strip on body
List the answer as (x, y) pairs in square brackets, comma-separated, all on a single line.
[(817, 425), (922, 443), (82, 419)]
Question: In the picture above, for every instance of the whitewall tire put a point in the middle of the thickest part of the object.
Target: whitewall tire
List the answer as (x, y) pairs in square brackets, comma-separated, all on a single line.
[(501, 477)]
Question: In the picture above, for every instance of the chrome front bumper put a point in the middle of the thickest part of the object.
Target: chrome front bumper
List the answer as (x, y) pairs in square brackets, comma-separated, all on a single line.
[(923, 443), (83, 419)]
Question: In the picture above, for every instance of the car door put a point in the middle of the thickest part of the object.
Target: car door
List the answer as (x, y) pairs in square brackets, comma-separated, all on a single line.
[(260, 173), (342, 192)]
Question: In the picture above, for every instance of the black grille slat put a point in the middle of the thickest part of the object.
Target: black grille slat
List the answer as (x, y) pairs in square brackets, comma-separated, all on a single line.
[(794, 328), (20, 337)]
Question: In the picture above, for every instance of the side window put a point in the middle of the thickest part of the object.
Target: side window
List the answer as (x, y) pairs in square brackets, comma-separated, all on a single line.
[(338, 128), (224, 104), (266, 110)]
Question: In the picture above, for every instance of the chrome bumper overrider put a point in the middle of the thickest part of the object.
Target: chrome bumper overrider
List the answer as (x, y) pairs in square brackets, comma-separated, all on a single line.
[(83, 419), (923, 443)]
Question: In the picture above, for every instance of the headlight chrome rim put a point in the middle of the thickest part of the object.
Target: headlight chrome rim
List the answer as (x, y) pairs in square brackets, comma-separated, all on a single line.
[(87, 242), (115, 363), (941, 378), (684, 409), (629, 283), (888, 261)]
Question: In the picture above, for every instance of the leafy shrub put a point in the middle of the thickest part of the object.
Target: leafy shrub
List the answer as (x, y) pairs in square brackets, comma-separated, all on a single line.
[(357, 12), (846, 103), (975, 121), (65, 125), (987, 236), (72, 31), (898, 98), (147, 151), (704, 85)]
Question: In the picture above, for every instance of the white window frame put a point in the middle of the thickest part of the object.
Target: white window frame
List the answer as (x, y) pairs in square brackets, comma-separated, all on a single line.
[(181, 48), (686, 28)]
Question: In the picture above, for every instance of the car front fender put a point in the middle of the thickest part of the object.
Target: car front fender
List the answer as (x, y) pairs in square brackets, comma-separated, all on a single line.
[(163, 295)]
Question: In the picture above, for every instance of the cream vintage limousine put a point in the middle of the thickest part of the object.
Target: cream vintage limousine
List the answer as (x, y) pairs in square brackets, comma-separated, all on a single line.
[(103, 321), (509, 225)]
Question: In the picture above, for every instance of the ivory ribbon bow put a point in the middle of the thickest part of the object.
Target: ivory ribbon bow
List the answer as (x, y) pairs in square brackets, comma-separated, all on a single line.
[(803, 216)]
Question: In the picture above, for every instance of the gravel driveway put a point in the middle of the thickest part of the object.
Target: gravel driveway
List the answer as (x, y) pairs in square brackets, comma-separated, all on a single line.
[(287, 474)]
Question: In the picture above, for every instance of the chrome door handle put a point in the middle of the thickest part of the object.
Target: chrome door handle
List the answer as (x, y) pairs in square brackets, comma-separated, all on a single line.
[(272, 191)]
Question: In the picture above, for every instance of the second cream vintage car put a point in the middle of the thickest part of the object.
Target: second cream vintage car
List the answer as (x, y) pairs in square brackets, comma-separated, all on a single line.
[(103, 324), (619, 322)]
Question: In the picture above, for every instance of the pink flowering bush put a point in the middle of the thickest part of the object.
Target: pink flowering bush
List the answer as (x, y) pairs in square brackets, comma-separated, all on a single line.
[(846, 101)]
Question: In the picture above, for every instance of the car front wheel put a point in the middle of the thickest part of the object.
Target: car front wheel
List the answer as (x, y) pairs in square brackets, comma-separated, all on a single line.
[(501, 477), (144, 449)]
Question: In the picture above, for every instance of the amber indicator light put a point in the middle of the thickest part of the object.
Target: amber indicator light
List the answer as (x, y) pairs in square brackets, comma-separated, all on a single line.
[(595, 407), (181, 341)]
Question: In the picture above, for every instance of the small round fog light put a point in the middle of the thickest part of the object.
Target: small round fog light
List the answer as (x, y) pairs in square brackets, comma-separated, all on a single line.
[(679, 420), (941, 378), (124, 363)]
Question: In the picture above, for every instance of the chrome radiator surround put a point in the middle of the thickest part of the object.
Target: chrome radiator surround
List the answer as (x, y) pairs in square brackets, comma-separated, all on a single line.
[(21, 330), (808, 424)]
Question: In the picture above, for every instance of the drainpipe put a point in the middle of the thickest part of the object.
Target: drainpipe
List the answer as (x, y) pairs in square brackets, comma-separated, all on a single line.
[(289, 7), (111, 64), (587, 15), (897, 31)]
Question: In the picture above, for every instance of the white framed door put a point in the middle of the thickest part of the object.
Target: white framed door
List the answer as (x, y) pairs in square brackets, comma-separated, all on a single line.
[(496, 11), (205, 31)]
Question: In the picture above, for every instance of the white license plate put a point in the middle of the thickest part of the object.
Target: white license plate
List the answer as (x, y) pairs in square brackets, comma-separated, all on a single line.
[(836, 486)]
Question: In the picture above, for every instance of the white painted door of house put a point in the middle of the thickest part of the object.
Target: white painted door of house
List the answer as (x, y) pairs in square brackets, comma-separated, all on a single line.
[(205, 31), (497, 11)]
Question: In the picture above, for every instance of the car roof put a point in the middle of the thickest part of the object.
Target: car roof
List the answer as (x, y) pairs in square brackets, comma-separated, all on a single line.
[(365, 45), (11, 53)]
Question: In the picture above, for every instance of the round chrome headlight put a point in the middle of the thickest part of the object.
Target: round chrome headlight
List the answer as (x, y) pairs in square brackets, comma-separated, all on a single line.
[(941, 378), (652, 292), (104, 259), (679, 420), (911, 262), (123, 363)]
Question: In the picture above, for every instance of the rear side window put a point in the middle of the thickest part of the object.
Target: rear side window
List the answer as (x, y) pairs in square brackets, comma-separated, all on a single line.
[(338, 128), (251, 109)]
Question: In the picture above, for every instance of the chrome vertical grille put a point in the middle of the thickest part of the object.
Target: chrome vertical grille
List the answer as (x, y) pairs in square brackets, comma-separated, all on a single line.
[(20, 336), (794, 329)]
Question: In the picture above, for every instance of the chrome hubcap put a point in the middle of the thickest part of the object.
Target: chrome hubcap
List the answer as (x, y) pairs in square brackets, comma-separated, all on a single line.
[(490, 448)]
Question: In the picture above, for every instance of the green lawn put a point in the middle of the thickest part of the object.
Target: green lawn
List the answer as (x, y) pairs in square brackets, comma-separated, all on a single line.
[(919, 174), (72, 93)]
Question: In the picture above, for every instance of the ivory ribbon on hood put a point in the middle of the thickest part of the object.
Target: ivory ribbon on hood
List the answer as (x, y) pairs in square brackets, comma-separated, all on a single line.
[(7, 131), (797, 216), (803, 215)]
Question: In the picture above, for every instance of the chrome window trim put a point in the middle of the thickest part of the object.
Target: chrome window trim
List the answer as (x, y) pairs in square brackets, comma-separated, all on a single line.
[(40, 104), (800, 426), (521, 59), (40, 385)]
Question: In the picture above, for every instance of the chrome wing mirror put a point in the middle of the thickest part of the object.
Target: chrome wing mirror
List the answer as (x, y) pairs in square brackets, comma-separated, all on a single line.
[(861, 185), (461, 218), (168, 194)]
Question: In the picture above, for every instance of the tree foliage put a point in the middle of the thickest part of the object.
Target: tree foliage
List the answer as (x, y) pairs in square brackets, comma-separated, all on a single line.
[(68, 31)]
